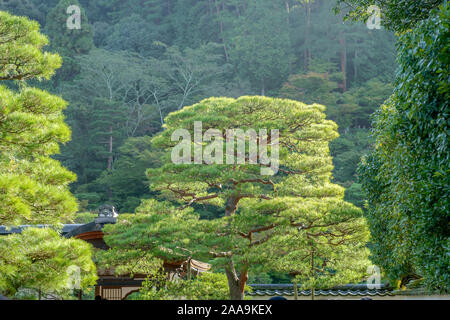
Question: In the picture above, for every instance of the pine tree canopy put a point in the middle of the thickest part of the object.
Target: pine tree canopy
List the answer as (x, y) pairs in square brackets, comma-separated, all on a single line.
[(260, 210), (33, 187)]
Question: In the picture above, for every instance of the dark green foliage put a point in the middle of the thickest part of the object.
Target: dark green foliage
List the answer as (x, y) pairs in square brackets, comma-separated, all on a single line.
[(67, 41), (28, 8), (406, 175), (259, 44), (226, 48), (127, 182), (347, 151), (33, 187)]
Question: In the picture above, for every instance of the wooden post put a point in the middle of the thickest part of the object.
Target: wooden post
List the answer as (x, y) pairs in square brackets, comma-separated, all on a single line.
[(189, 274), (295, 291), (313, 274)]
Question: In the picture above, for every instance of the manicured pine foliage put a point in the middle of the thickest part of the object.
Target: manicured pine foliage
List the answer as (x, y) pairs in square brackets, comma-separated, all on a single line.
[(260, 211), (33, 186), (39, 263), (207, 286)]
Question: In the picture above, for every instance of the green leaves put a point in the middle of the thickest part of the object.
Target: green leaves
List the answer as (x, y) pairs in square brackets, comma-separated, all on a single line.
[(397, 15), (39, 260), (32, 123), (67, 41), (408, 202), (33, 187), (207, 286), (262, 213), (21, 50)]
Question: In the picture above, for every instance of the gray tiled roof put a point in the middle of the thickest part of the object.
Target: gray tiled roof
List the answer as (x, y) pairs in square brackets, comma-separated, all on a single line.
[(5, 231), (89, 227), (288, 290)]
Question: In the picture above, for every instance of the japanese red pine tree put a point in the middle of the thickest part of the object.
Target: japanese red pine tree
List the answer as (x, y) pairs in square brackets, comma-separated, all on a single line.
[(256, 209)]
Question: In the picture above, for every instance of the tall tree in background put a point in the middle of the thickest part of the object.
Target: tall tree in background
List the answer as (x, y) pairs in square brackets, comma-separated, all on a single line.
[(68, 41), (107, 129), (191, 72), (259, 44), (99, 90)]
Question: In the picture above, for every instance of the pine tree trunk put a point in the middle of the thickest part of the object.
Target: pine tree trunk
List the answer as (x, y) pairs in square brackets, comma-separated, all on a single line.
[(110, 157), (169, 8), (295, 291), (288, 21), (231, 206), (343, 60), (307, 52), (355, 65), (313, 274), (219, 17), (236, 284)]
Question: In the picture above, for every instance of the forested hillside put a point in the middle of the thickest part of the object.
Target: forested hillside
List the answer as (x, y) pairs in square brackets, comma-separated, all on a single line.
[(133, 62)]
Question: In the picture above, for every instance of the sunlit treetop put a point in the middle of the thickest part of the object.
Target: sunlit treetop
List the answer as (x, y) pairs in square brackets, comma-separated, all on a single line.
[(21, 55), (33, 187)]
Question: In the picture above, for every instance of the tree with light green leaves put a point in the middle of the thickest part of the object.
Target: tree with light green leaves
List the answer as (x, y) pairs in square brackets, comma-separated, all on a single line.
[(405, 176), (206, 286), (258, 208), (321, 258), (33, 186), (38, 263)]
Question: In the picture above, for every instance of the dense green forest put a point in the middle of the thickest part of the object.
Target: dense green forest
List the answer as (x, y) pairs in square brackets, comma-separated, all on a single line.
[(134, 62)]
